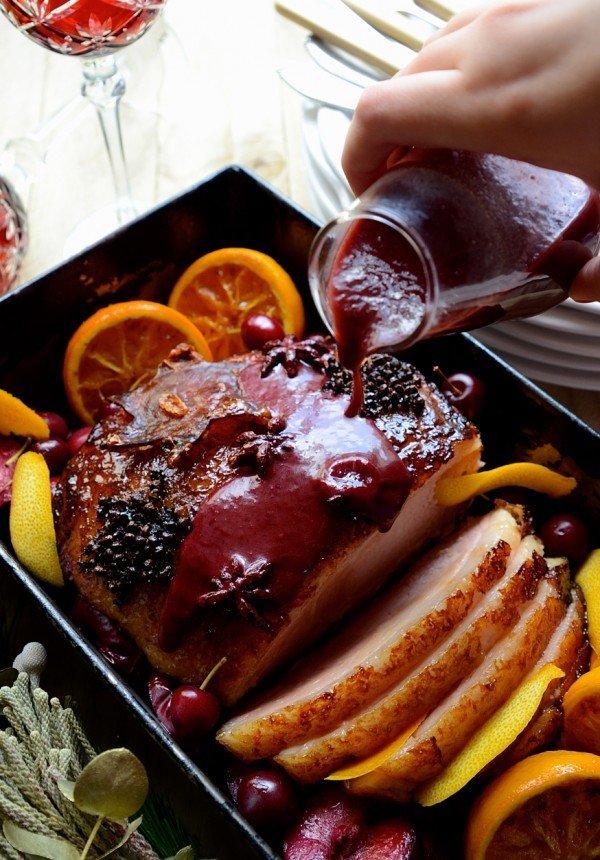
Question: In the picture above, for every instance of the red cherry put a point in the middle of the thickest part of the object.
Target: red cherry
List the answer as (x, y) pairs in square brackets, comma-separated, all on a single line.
[(565, 534), (55, 452), (193, 712), (267, 798), (78, 438), (466, 392), (259, 329), (56, 424), (112, 642)]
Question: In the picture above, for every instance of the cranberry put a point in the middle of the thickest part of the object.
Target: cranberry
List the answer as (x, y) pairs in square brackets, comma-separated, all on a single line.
[(78, 438), (466, 392), (56, 424), (267, 798), (565, 534), (259, 329), (193, 712), (55, 452)]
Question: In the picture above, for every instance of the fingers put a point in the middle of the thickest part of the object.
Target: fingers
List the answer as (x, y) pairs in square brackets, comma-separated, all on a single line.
[(411, 111), (586, 286)]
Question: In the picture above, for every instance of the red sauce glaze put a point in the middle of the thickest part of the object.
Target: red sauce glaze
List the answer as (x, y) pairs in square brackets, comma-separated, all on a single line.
[(326, 468)]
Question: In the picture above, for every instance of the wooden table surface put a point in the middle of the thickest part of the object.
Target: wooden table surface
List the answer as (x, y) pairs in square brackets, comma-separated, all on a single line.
[(202, 92)]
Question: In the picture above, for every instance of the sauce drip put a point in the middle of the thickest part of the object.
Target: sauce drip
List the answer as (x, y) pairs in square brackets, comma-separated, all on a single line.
[(254, 538)]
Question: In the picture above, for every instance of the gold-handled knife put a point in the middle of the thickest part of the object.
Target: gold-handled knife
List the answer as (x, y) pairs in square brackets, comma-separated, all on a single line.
[(339, 25), (446, 9), (393, 19)]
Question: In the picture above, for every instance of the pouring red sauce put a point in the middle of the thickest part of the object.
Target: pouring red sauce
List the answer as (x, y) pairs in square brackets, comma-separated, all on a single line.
[(485, 239)]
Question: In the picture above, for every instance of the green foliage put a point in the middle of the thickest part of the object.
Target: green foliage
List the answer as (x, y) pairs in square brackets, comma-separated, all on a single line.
[(59, 800)]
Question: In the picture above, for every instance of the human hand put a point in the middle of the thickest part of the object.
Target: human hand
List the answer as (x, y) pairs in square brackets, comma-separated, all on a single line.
[(520, 79), (586, 286)]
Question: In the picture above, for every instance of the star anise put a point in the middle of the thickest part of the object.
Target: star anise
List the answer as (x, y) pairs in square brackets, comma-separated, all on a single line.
[(258, 451), (239, 586), (290, 351)]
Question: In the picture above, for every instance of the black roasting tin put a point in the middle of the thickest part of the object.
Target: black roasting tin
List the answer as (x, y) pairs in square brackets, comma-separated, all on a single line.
[(143, 260)]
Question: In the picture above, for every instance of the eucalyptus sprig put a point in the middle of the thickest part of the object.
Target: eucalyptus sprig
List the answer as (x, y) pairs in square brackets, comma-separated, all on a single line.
[(58, 799)]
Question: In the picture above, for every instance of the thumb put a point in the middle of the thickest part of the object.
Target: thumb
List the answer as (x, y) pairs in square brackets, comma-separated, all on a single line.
[(586, 286)]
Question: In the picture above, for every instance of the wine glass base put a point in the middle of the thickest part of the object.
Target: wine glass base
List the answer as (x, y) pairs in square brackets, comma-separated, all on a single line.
[(96, 227)]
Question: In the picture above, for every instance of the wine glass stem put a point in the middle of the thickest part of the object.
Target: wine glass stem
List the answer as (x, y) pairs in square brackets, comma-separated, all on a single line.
[(104, 87)]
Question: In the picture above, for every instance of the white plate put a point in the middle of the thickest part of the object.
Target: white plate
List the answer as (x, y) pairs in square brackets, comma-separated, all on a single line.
[(329, 194), (497, 339), (559, 341), (586, 381), (333, 127)]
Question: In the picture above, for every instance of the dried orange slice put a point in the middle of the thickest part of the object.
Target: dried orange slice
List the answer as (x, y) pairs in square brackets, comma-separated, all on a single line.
[(222, 288), (546, 807), (118, 348), (581, 706), (31, 521)]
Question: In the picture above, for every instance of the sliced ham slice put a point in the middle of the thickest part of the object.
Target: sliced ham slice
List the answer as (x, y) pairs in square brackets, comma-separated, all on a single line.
[(383, 645), (427, 685), (448, 728), (569, 650)]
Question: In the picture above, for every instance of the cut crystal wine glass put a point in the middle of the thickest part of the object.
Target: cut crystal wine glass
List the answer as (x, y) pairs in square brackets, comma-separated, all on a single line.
[(93, 30)]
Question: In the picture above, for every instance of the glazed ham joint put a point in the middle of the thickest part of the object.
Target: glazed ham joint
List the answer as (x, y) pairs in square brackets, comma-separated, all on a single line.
[(233, 510)]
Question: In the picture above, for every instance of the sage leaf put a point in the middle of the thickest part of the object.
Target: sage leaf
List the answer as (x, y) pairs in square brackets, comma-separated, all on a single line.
[(66, 788), (183, 854), (49, 847), (132, 827), (113, 785)]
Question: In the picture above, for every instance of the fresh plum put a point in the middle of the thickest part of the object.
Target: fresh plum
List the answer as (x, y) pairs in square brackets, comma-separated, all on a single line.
[(336, 826)]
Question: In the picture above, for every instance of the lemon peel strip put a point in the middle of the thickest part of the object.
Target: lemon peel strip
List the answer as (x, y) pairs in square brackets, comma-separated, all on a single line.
[(31, 520), (366, 765), (588, 579), (453, 491), (492, 738), (17, 419)]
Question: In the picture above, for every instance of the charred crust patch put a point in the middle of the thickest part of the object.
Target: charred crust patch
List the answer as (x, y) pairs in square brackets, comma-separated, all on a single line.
[(390, 385), (135, 543)]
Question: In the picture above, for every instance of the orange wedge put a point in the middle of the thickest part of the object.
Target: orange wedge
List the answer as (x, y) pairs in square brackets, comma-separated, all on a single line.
[(493, 737), (19, 420), (454, 491), (222, 288), (581, 706), (546, 807), (118, 348), (31, 519), (588, 579)]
